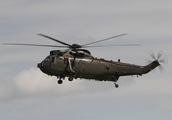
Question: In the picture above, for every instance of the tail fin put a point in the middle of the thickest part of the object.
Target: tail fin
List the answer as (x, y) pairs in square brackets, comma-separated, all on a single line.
[(150, 66)]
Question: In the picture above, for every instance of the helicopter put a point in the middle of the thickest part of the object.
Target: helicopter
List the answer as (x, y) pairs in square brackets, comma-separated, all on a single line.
[(77, 62)]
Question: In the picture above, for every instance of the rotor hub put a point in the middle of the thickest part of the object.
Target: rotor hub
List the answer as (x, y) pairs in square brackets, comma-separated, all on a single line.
[(75, 46)]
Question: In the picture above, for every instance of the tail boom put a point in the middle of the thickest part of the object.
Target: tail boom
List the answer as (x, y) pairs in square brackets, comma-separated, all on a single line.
[(150, 67)]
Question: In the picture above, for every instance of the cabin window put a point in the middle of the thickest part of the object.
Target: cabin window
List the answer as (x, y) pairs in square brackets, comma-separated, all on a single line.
[(80, 55), (61, 58), (53, 58)]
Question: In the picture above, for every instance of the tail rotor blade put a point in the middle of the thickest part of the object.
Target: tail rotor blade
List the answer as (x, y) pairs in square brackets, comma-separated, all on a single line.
[(153, 55), (159, 55), (148, 61), (161, 69), (163, 61)]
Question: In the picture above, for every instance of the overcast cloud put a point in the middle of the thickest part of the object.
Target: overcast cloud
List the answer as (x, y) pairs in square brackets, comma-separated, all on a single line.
[(27, 93)]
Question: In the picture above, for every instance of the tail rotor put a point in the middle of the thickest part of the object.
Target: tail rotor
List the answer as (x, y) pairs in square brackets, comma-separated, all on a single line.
[(157, 59)]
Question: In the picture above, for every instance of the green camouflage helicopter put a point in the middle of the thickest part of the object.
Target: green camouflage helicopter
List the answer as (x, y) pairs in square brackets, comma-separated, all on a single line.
[(76, 62)]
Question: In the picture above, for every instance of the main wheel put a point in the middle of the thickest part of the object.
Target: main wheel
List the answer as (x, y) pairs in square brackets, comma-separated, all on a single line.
[(116, 85), (70, 78), (60, 81)]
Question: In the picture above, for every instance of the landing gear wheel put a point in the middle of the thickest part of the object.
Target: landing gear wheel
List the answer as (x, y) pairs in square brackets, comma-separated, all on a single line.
[(70, 78), (116, 85), (60, 81)]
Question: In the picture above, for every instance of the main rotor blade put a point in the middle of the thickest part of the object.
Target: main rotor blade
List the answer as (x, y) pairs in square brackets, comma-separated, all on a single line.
[(104, 39), (112, 45), (55, 40), (35, 45)]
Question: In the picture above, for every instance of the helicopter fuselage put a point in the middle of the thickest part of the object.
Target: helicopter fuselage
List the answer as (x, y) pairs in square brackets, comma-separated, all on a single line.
[(87, 67)]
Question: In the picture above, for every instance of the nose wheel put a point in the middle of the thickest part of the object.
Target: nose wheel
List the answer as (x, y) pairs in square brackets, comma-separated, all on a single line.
[(60, 81)]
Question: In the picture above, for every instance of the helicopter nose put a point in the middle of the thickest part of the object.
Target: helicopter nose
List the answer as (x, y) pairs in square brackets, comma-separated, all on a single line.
[(43, 67), (39, 65)]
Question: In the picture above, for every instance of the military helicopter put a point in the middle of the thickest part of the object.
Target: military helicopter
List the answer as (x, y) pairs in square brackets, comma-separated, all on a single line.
[(76, 62)]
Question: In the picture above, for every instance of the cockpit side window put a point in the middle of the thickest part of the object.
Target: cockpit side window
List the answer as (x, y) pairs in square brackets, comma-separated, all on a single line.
[(47, 58)]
